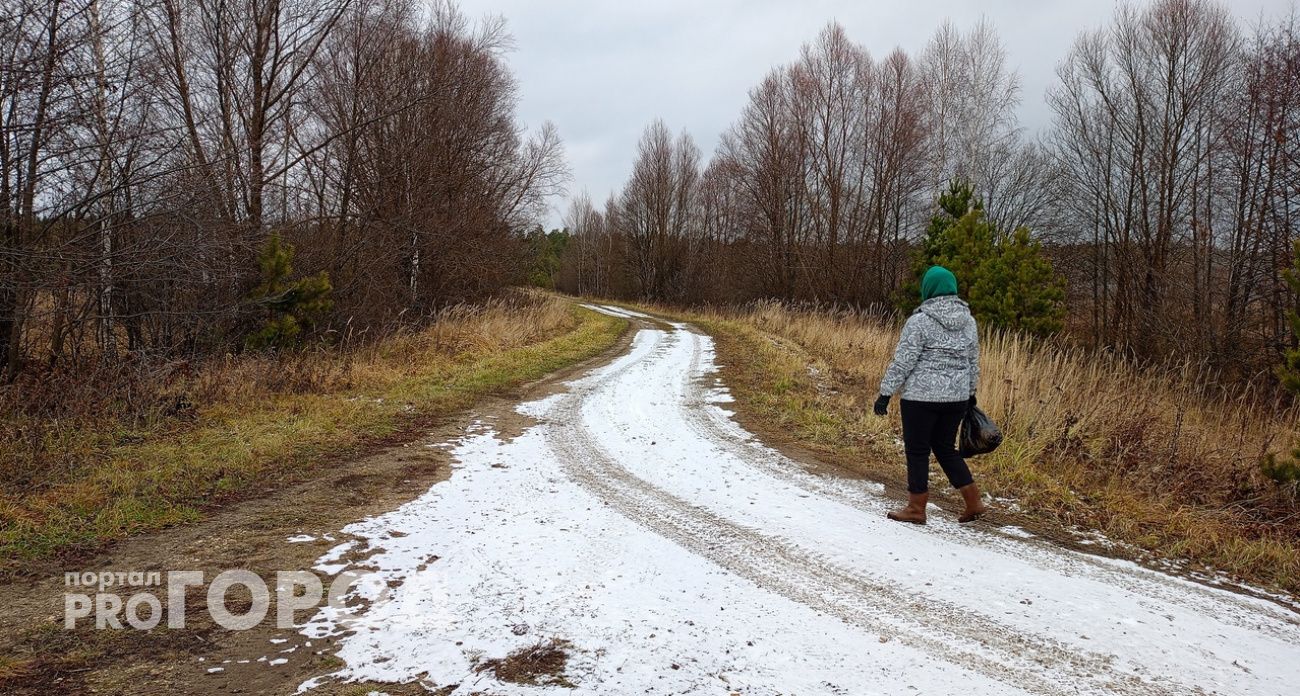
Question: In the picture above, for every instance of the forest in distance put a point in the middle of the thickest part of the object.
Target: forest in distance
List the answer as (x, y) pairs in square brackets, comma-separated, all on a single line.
[(1163, 194), (182, 179)]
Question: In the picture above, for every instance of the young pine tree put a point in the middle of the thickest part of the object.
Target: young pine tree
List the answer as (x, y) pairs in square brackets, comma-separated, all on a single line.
[(547, 251), (1017, 289), (1005, 278), (1286, 470), (969, 247), (287, 307), (938, 249), (1289, 371)]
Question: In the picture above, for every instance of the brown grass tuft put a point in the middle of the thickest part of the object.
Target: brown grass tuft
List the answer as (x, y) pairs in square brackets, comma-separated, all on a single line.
[(541, 664)]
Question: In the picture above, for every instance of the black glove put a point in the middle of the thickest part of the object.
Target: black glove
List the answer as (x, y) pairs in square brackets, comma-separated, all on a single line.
[(882, 405), (970, 403)]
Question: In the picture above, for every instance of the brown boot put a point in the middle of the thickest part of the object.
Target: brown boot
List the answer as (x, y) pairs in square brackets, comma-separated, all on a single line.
[(975, 507), (914, 511)]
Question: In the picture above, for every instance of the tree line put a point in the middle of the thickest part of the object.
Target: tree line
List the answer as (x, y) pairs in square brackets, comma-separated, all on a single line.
[(1163, 193), (182, 176)]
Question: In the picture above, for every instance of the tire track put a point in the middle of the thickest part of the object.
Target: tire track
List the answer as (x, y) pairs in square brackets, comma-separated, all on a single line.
[(703, 416), (964, 638)]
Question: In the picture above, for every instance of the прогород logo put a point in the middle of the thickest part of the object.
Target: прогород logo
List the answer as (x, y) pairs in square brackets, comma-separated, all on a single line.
[(153, 601)]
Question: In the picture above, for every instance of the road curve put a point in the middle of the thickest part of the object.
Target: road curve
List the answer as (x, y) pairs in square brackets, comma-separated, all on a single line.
[(673, 552)]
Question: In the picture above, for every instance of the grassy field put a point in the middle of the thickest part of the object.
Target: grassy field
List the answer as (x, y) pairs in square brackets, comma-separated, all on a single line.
[(248, 425), (1092, 442)]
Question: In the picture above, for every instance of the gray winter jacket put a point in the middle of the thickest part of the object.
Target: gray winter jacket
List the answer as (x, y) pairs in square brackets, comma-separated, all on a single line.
[(938, 355)]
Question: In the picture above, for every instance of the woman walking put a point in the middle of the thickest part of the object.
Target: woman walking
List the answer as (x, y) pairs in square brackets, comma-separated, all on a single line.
[(937, 366)]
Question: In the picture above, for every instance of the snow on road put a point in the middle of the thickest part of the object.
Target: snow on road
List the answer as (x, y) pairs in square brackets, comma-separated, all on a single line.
[(677, 554)]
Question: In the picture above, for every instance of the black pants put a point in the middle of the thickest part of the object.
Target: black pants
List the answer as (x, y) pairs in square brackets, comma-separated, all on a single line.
[(933, 427)]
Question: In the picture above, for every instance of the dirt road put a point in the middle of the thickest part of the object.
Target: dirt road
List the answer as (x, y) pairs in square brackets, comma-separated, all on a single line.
[(651, 545)]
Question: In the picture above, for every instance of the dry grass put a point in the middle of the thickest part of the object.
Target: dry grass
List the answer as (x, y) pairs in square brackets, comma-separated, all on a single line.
[(173, 440), (1146, 456), (540, 664)]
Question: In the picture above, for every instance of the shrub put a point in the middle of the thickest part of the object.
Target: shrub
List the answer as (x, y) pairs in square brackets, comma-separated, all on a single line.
[(288, 308), (1005, 277)]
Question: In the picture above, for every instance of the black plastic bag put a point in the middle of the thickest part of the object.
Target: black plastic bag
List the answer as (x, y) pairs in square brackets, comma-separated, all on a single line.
[(979, 434)]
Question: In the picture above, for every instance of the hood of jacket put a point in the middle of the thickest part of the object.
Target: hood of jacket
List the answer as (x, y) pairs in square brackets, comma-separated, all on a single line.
[(937, 282), (950, 311)]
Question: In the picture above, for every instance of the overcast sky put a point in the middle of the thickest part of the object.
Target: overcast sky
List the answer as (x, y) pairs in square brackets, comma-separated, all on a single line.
[(601, 71)]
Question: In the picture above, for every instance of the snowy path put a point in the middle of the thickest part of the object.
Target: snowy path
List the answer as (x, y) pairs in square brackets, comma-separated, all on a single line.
[(676, 554)]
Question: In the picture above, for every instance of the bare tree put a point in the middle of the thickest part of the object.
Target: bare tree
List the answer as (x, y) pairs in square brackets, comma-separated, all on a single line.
[(972, 97), (898, 194), (766, 151), (1261, 180), (589, 266), (1138, 116), (829, 84), (656, 213), (149, 150)]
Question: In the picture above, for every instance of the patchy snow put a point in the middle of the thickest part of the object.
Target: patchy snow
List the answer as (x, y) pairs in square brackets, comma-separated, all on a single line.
[(331, 563), (614, 311), (1013, 530), (300, 539), (678, 554)]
